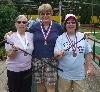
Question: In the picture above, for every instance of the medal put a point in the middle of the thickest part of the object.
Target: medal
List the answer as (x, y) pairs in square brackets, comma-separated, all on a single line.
[(45, 35), (45, 42), (74, 54), (25, 43), (73, 46)]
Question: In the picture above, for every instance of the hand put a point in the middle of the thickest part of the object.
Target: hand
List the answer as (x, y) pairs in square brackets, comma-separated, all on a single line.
[(15, 48), (90, 70), (61, 53), (8, 34), (12, 53)]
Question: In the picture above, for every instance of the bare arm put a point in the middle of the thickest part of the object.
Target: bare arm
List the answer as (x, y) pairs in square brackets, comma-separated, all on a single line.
[(89, 64)]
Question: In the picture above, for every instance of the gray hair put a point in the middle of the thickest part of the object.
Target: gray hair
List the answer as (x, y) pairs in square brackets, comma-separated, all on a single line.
[(20, 16)]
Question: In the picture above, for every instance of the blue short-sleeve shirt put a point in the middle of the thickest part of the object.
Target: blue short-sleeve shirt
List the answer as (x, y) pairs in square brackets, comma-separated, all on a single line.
[(73, 67)]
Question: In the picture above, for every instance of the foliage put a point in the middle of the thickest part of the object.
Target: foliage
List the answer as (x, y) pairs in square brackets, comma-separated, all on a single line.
[(8, 14), (83, 8), (2, 54)]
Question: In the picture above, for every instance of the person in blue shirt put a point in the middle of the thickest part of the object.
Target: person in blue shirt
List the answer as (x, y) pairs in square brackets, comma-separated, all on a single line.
[(45, 33), (72, 51), (31, 22)]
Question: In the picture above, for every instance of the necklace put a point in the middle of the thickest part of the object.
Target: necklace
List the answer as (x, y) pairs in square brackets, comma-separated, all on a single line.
[(24, 42), (73, 46), (46, 35)]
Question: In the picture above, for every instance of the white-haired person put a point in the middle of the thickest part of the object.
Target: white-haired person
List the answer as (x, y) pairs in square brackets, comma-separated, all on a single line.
[(72, 51), (19, 64)]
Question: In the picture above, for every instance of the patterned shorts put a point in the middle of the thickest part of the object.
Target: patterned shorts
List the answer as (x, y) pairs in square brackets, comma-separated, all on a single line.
[(45, 72)]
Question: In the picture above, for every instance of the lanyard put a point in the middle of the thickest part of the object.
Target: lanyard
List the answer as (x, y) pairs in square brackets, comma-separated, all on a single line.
[(70, 42), (24, 43), (45, 35)]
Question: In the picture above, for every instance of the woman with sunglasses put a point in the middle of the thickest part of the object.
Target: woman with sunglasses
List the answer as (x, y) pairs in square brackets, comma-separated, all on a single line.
[(19, 63), (72, 51), (45, 32)]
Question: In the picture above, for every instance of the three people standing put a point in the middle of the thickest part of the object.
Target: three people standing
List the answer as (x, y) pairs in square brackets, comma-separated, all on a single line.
[(69, 50)]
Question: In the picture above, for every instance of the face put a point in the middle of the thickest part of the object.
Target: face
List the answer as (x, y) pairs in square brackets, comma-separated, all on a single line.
[(21, 24), (71, 26), (45, 16)]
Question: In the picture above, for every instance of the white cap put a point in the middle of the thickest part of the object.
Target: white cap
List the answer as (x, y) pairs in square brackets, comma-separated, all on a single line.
[(70, 15)]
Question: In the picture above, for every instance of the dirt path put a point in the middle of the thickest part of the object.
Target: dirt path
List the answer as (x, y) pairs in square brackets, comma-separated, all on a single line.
[(3, 78), (92, 84)]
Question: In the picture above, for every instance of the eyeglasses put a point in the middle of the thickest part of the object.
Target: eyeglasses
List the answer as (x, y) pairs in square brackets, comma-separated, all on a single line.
[(19, 22), (47, 13), (70, 22)]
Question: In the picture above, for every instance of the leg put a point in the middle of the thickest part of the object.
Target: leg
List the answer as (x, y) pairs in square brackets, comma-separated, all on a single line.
[(39, 75), (41, 87), (50, 76), (13, 81), (26, 82), (50, 88), (64, 85), (79, 86)]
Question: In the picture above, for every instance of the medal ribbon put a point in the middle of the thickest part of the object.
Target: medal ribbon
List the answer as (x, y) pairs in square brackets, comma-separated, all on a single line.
[(45, 36), (70, 43), (24, 43)]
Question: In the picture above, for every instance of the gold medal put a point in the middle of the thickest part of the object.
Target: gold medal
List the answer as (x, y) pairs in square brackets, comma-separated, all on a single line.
[(74, 52), (46, 34)]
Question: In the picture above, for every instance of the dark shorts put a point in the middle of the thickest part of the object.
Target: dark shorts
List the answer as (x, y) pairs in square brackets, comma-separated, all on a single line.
[(45, 73), (17, 81)]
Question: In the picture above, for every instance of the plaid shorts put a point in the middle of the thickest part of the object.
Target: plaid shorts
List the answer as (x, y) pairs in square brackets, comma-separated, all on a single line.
[(44, 72)]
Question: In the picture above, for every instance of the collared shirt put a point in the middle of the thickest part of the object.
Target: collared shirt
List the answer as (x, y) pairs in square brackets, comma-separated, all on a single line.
[(21, 62)]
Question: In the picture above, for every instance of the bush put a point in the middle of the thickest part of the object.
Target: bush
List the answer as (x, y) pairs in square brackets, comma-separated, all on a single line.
[(2, 54), (8, 13)]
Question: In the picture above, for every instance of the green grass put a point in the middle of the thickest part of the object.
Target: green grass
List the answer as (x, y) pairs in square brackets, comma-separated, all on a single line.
[(85, 29), (98, 36), (97, 50)]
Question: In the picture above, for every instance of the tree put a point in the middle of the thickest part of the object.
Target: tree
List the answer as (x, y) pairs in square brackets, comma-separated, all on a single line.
[(7, 17)]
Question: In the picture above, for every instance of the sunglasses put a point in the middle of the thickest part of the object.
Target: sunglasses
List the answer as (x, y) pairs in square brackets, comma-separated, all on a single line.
[(43, 14), (70, 22), (19, 22)]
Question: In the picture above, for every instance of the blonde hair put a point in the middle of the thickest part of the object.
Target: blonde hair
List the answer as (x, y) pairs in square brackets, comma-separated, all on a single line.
[(20, 16), (45, 7)]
